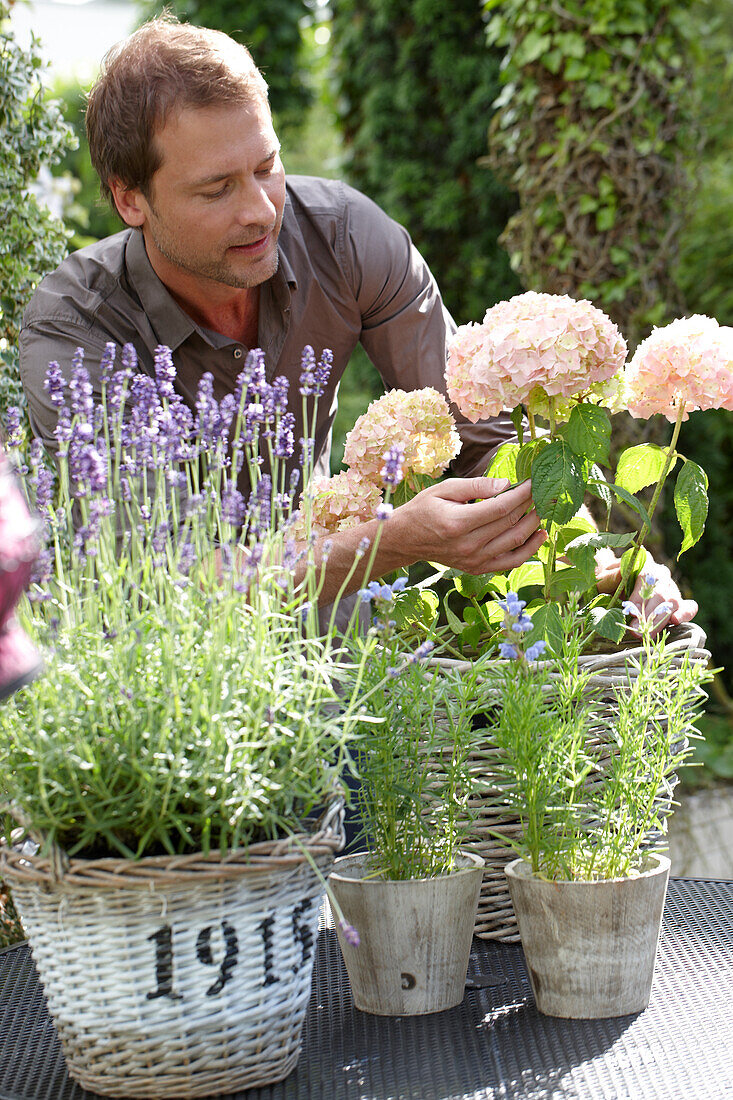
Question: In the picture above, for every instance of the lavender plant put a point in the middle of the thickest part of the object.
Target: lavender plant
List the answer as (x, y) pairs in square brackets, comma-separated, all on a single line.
[(191, 699), (587, 813)]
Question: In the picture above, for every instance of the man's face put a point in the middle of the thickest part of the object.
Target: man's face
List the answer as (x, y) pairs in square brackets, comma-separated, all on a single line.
[(215, 205)]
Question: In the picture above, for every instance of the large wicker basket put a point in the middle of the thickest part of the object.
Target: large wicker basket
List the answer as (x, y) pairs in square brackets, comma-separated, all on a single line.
[(186, 976), (611, 673)]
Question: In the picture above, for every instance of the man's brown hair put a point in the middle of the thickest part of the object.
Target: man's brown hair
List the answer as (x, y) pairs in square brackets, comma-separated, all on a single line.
[(165, 65)]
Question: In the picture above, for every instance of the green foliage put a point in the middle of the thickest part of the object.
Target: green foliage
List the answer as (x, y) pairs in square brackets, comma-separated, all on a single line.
[(592, 128), (414, 86), (32, 241), (586, 812), (271, 31), (88, 217)]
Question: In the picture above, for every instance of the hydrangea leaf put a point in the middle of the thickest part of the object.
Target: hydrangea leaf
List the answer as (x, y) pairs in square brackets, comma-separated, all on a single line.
[(609, 623), (518, 422), (529, 573), (416, 606), (557, 482), (691, 503), (640, 466), (588, 432), (597, 484), (504, 462), (474, 586), (547, 624), (527, 455)]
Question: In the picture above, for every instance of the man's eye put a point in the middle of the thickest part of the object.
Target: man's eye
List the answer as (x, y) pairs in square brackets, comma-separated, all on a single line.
[(217, 194)]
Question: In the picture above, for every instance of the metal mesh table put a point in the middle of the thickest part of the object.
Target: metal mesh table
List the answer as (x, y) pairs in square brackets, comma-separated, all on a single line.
[(494, 1045)]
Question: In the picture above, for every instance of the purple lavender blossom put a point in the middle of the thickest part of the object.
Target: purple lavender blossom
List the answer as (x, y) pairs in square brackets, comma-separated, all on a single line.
[(165, 372), (207, 412), (422, 651), (13, 432), (80, 388), (384, 511), (55, 384), (233, 507), (284, 441), (392, 469), (350, 934), (308, 371), (129, 358), (258, 508), (107, 362), (280, 387), (322, 372)]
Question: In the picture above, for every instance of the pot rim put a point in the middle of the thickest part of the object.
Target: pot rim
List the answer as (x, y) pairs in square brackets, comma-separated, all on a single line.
[(477, 861), (662, 865)]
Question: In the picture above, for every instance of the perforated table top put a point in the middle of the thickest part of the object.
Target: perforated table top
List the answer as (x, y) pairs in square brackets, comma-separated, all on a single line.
[(494, 1045)]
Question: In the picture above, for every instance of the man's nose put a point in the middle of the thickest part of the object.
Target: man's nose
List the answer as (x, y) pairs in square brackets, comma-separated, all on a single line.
[(257, 207)]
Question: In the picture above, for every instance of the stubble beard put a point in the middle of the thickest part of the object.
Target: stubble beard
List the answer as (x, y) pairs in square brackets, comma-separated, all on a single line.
[(218, 271)]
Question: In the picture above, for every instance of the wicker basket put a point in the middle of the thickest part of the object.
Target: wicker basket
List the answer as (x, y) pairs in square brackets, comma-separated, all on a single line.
[(186, 976), (611, 673)]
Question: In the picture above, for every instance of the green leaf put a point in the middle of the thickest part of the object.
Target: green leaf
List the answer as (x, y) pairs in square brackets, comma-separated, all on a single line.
[(474, 585), (588, 431), (691, 503), (597, 484), (557, 482), (518, 422), (526, 456), (640, 466), (632, 502), (577, 526), (609, 624), (504, 462), (547, 624), (416, 606), (569, 579), (530, 572), (456, 625)]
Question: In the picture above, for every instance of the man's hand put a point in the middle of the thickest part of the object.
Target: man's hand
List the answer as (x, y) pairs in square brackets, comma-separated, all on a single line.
[(665, 606), (476, 524)]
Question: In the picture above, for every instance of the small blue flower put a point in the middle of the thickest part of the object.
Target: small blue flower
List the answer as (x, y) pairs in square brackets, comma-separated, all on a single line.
[(535, 650), (508, 652), (400, 584), (630, 609)]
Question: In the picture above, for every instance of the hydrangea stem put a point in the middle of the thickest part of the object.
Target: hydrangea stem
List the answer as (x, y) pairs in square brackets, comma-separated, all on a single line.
[(638, 542)]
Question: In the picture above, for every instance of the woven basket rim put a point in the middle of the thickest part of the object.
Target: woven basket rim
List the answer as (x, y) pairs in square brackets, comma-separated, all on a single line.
[(117, 871), (689, 638)]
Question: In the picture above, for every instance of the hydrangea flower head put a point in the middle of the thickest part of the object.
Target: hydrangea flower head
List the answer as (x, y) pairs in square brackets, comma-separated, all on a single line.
[(419, 422), (538, 350), (689, 360), (340, 502)]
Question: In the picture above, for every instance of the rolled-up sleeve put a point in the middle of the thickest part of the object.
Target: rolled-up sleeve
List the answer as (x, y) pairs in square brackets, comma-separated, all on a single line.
[(405, 325)]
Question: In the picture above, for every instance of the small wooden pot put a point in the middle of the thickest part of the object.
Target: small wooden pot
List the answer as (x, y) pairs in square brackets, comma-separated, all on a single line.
[(590, 947), (415, 935)]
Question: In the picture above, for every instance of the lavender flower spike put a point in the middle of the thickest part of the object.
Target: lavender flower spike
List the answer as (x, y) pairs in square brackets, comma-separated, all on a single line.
[(392, 469)]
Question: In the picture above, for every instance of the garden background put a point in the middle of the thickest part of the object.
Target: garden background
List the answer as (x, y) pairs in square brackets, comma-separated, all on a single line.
[(582, 148)]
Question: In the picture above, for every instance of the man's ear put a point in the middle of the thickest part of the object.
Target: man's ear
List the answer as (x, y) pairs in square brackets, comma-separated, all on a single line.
[(130, 202)]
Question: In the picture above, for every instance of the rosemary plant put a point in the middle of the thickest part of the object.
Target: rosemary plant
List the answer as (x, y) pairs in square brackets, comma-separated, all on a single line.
[(190, 700), (589, 782)]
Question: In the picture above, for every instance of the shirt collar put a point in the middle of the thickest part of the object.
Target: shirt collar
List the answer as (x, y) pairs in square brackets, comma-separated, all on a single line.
[(171, 324)]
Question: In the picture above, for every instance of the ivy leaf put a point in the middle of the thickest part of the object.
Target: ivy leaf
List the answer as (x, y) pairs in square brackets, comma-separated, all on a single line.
[(691, 503), (588, 432), (640, 466), (557, 482)]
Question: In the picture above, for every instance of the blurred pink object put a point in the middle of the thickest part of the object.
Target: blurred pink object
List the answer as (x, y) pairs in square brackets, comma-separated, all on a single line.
[(19, 659)]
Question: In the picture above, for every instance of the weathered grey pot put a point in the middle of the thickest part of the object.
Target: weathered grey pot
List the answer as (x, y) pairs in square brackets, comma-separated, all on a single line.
[(415, 935), (590, 947)]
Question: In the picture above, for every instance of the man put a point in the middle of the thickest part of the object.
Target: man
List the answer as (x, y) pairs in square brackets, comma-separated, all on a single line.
[(222, 254)]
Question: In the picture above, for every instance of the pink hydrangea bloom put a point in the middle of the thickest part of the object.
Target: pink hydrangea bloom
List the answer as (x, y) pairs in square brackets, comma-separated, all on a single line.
[(532, 348), (419, 422), (689, 360), (338, 503)]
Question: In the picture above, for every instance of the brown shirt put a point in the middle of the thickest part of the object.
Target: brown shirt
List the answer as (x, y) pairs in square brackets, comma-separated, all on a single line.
[(346, 274)]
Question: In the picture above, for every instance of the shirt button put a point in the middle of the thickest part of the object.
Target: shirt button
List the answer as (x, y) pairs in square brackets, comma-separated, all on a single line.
[(237, 353)]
